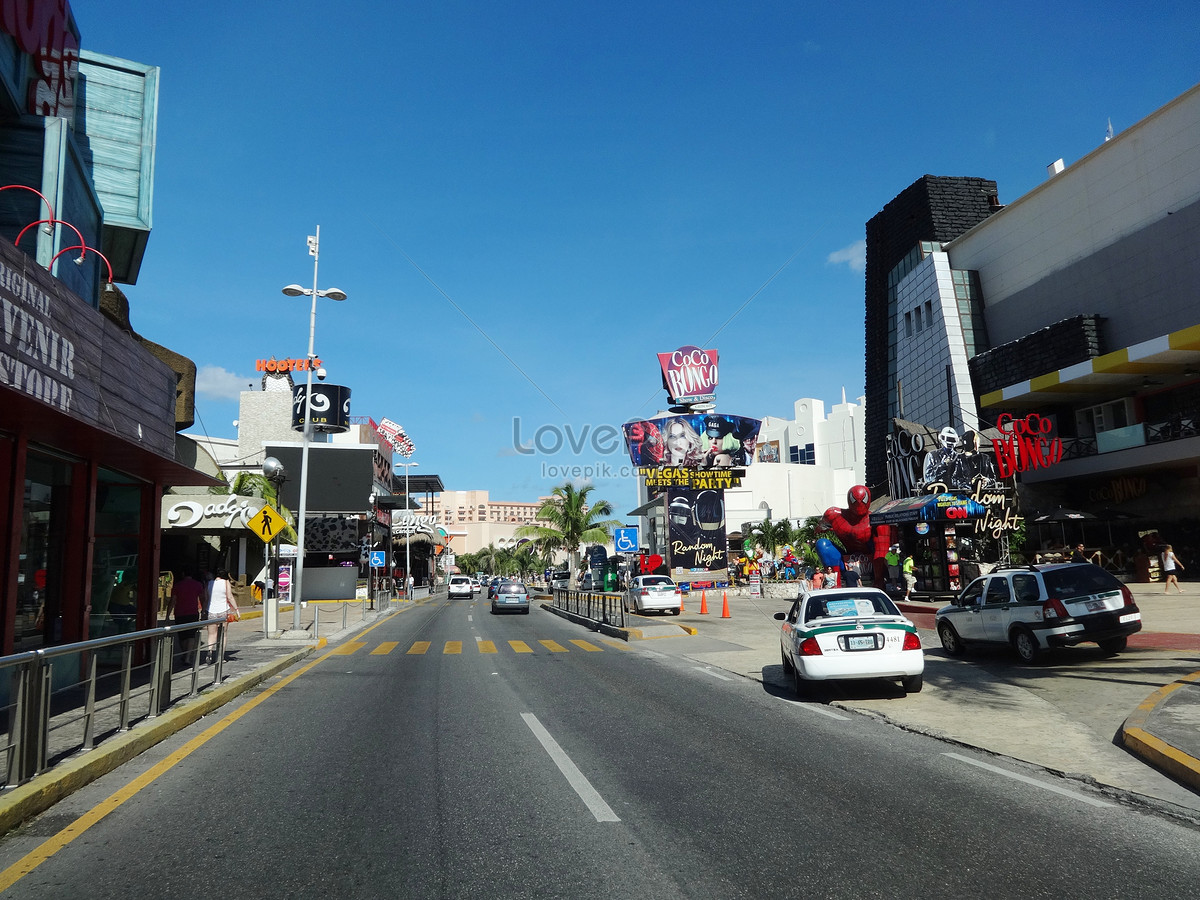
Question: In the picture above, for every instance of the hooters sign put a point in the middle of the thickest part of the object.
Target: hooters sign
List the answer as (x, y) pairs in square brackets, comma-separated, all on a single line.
[(689, 374)]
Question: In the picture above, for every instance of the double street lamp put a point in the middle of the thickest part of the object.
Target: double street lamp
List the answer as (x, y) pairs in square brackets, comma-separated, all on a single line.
[(294, 290)]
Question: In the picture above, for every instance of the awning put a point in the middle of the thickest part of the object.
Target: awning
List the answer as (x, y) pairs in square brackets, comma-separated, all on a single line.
[(651, 508), (927, 508)]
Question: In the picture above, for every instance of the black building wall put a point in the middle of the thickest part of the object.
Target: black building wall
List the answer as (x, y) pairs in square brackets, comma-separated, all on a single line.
[(933, 208)]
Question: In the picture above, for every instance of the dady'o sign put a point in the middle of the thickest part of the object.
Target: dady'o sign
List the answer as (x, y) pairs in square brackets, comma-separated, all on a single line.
[(689, 374)]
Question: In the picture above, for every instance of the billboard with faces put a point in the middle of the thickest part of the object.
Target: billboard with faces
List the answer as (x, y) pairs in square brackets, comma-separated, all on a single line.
[(696, 530), (693, 441)]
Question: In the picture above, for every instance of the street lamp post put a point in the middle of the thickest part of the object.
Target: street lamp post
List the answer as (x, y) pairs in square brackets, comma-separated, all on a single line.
[(408, 541), (275, 473), (294, 290)]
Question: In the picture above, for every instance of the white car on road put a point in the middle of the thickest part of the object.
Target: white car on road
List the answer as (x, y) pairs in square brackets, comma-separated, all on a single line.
[(653, 592), (845, 633)]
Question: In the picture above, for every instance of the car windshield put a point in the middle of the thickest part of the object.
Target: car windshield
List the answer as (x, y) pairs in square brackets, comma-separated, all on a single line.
[(658, 581), (1079, 581), (844, 606)]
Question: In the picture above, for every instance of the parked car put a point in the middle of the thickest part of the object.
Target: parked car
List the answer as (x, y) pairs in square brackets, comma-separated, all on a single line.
[(560, 581), (849, 633), (653, 593), (460, 586), (1034, 608), (511, 595)]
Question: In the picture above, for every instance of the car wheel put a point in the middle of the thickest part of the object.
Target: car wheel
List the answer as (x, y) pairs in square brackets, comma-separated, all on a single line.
[(1026, 645), (800, 687), (951, 642), (912, 684), (493, 609), (1114, 645), (787, 663), (527, 610), (676, 611)]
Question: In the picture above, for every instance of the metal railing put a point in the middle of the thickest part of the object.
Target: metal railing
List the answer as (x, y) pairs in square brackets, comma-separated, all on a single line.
[(383, 603), (607, 609), (69, 717)]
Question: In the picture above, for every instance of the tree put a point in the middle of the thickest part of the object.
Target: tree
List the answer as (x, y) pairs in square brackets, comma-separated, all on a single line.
[(252, 484), (566, 520)]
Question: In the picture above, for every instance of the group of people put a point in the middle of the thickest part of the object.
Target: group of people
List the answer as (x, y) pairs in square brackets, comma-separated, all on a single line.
[(193, 600)]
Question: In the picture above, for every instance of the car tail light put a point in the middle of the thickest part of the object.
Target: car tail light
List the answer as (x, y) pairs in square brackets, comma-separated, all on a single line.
[(810, 647), (1054, 609), (911, 641), (1128, 595)]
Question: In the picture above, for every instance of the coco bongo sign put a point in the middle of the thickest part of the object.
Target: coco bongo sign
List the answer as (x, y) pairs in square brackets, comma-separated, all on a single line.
[(689, 374)]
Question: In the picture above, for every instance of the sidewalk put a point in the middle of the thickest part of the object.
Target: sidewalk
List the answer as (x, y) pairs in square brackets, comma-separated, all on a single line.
[(251, 657), (1079, 712)]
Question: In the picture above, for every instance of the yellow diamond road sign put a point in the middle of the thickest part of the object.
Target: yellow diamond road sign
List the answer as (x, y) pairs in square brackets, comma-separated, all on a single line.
[(267, 524)]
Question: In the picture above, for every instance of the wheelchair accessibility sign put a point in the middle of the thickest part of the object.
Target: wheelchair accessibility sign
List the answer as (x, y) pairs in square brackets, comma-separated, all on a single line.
[(378, 559), (626, 540)]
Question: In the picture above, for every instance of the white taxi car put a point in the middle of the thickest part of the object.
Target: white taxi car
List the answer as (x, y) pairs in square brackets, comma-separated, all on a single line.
[(844, 633)]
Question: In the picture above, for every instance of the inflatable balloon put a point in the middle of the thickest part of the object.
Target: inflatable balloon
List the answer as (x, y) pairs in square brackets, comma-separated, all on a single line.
[(828, 552)]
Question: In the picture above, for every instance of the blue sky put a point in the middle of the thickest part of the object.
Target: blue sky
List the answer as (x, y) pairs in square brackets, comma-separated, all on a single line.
[(525, 202)]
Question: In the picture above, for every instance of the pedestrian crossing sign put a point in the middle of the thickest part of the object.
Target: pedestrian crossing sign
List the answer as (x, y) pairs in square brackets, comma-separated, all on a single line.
[(267, 524)]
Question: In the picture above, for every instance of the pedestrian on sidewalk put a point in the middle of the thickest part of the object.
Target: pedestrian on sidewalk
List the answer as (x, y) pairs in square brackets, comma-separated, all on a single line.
[(187, 604), (1078, 555), (220, 606), (910, 579), (1170, 564)]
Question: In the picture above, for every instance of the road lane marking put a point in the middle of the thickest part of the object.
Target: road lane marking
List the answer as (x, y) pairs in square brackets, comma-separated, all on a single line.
[(349, 648), (487, 646), (591, 648), (80, 826), (553, 646), (452, 648), (814, 707), (385, 648), (708, 671), (520, 646), (620, 645), (1016, 776), (418, 648), (588, 794)]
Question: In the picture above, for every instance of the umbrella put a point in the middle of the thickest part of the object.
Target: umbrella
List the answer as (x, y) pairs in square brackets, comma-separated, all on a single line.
[(1062, 515)]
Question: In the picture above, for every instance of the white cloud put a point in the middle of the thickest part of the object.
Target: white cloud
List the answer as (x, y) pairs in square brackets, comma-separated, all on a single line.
[(221, 384), (855, 256)]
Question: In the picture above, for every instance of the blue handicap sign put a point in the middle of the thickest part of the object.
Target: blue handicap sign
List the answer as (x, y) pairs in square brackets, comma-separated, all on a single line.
[(626, 540), (378, 559)]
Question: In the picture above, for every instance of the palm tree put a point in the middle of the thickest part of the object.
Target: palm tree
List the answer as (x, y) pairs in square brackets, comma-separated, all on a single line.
[(568, 520), (252, 484), (488, 559)]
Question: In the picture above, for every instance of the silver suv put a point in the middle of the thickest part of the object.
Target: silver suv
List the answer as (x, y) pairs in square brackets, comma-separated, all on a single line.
[(1034, 608)]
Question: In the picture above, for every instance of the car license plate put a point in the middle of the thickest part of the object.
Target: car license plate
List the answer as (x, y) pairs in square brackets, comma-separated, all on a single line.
[(1129, 617), (860, 642), (1096, 606)]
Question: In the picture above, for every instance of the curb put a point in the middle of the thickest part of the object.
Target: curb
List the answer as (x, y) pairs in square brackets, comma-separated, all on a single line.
[(40, 793), (1154, 750)]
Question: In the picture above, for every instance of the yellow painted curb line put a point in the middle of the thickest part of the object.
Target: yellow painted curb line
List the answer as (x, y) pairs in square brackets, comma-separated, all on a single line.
[(39, 794), (1156, 751)]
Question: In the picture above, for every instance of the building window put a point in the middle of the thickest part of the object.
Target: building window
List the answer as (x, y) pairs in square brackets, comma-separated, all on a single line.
[(908, 329), (793, 454)]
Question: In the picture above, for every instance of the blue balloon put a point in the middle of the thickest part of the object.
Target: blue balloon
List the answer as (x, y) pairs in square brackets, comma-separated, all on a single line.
[(828, 552)]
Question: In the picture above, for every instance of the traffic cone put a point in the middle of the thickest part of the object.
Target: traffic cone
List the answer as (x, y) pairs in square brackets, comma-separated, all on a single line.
[(725, 605), (703, 604), (681, 596)]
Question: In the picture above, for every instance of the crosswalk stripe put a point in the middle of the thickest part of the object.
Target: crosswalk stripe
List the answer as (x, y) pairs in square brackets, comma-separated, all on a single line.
[(553, 646), (487, 646), (590, 648), (452, 647), (620, 645), (384, 648), (520, 646), (418, 648), (349, 647)]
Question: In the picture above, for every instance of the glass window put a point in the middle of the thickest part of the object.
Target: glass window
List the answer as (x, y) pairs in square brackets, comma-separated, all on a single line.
[(44, 525), (998, 590), (115, 560)]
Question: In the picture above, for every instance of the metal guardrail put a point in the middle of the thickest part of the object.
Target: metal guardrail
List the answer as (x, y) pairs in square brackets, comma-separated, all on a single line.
[(605, 608), (35, 708), (384, 604)]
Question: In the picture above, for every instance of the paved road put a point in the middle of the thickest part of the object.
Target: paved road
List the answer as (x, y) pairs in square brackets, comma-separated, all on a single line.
[(444, 752)]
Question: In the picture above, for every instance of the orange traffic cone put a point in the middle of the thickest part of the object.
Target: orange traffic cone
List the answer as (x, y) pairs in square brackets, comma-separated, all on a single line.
[(725, 605), (703, 604), (681, 603)]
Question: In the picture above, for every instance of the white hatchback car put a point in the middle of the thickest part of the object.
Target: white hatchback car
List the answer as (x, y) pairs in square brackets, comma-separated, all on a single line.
[(653, 592), (849, 633), (460, 586)]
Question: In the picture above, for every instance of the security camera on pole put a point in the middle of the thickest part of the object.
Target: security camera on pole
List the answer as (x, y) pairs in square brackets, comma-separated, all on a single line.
[(294, 290)]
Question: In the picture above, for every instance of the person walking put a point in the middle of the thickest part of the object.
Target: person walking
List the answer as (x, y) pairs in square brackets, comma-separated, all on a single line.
[(220, 606), (1171, 565), (910, 579), (187, 605)]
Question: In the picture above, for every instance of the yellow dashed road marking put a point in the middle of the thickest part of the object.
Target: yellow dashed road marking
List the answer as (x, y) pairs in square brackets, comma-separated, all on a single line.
[(452, 647), (620, 645), (591, 648), (384, 648), (418, 648), (553, 646), (487, 646), (520, 646), (349, 647)]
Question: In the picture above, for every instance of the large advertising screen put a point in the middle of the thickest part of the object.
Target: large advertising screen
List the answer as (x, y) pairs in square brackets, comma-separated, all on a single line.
[(696, 530), (698, 441)]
